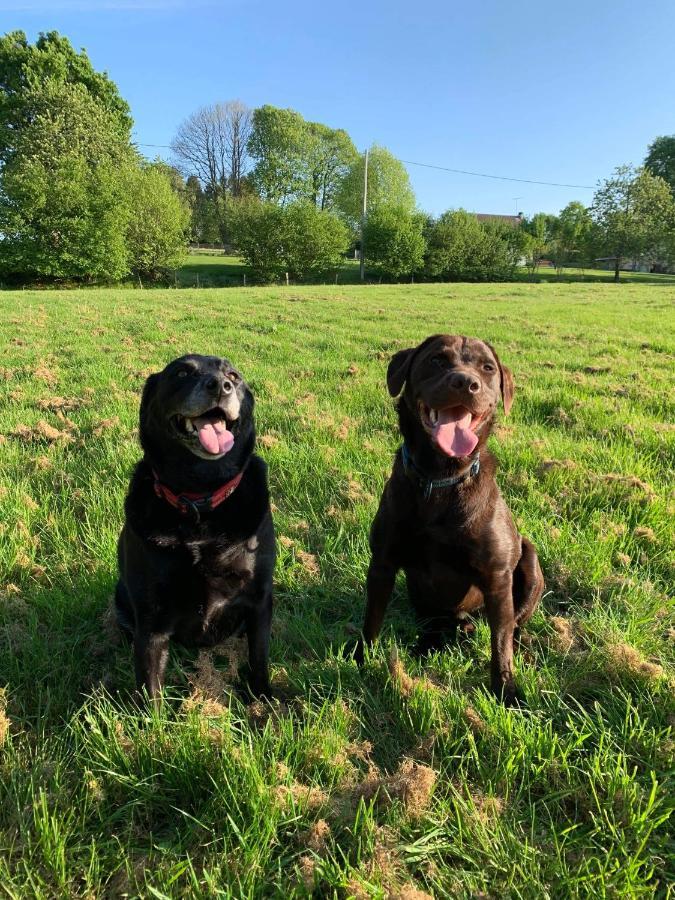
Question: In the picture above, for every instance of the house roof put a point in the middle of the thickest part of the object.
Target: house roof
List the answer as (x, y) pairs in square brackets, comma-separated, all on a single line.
[(495, 217)]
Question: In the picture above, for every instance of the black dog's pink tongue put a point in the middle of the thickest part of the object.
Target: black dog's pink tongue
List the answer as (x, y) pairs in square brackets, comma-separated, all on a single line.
[(213, 435), (453, 433)]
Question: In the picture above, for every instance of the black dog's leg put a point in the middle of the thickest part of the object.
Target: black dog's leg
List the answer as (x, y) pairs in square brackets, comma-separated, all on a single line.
[(258, 623), (151, 651), (379, 587), (502, 620)]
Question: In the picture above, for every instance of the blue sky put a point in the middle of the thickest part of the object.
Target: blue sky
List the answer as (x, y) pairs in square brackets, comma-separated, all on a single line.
[(550, 92)]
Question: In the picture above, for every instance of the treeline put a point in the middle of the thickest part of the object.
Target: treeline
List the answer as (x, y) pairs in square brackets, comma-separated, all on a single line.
[(79, 202)]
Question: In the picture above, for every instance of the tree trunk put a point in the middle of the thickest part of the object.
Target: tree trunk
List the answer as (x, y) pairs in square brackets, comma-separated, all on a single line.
[(617, 263)]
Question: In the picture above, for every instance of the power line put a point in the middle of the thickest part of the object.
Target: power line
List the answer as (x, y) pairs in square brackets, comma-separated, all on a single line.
[(410, 162), (585, 187)]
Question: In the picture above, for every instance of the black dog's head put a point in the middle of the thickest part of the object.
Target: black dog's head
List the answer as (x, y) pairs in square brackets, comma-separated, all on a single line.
[(197, 412), (453, 385)]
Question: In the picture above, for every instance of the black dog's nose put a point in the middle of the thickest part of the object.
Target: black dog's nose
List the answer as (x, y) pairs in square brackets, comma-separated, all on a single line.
[(213, 383), (460, 381)]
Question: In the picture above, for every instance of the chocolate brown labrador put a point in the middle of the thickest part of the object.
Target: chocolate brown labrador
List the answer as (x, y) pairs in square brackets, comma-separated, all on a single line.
[(442, 518)]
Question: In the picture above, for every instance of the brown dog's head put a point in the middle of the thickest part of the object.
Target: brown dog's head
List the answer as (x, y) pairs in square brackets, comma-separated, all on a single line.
[(452, 387)]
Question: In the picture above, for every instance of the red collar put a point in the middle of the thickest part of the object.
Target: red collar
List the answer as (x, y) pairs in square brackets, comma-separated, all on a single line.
[(189, 502)]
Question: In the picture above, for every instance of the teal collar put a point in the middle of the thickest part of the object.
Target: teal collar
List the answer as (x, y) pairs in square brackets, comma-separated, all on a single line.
[(426, 484)]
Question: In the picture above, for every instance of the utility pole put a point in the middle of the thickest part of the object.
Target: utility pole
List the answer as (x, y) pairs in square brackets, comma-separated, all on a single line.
[(362, 264), (515, 200)]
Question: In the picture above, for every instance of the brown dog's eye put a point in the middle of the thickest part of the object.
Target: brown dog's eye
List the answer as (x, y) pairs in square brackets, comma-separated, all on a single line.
[(488, 367), (439, 360)]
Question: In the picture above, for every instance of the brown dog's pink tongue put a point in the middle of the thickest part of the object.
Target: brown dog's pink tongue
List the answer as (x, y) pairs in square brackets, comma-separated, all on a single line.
[(214, 436), (452, 431)]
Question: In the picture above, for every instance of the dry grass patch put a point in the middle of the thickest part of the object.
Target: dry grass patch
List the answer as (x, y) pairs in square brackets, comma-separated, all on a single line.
[(622, 657), (412, 785), (43, 431), (316, 837)]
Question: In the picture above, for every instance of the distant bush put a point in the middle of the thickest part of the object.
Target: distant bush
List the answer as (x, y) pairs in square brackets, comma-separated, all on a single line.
[(394, 242), (159, 220), (298, 238), (461, 248)]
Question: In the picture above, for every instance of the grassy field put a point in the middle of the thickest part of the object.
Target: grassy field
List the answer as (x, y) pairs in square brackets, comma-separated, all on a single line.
[(399, 778), (210, 268)]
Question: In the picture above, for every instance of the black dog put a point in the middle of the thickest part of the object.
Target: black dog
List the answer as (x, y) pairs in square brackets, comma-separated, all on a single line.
[(196, 554)]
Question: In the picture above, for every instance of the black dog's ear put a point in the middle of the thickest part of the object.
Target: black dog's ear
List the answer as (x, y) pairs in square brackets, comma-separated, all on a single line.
[(506, 382), (398, 370), (149, 389)]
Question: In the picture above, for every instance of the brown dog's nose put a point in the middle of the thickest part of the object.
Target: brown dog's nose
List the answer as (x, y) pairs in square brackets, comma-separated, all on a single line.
[(461, 381)]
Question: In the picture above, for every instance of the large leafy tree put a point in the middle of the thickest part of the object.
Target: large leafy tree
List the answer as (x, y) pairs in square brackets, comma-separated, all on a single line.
[(63, 188), (388, 185), (26, 68), (660, 159), (296, 159), (634, 215)]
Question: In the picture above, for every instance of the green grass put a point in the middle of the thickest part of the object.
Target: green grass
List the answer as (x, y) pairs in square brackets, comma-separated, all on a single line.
[(214, 798)]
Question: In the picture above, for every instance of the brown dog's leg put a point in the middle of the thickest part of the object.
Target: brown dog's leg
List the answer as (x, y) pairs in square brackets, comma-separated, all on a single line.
[(528, 583), (379, 586), (151, 652), (500, 614)]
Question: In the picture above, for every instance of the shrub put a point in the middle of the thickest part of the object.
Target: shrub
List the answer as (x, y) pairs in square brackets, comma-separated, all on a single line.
[(299, 239), (394, 242), (460, 248), (159, 220)]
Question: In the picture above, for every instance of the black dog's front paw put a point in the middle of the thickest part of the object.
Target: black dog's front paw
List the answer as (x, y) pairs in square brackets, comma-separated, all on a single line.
[(259, 687)]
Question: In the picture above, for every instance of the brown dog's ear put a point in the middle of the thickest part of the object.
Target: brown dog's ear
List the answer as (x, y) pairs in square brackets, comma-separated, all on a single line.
[(506, 382), (398, 370)]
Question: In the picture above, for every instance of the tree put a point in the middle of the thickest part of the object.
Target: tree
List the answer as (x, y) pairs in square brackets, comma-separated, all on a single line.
[(158, 222), (394, 240), (540, 228), (388, 185), (296, 159), (276, 146), (63, 198), (660, 159), (297, 238), (26, 68), (634, 214), (212, 145), (331, 153), (571, 234)]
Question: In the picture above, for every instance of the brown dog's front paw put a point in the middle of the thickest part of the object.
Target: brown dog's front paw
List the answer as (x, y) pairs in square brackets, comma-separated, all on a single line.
[(509, 695), (359, 653)]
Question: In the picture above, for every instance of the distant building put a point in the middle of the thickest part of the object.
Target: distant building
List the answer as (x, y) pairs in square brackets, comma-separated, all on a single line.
[(515, 221)]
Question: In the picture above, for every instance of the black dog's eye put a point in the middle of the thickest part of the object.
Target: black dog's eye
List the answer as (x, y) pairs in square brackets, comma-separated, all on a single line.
[(488, 367), (182, 373), (234, 377)]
